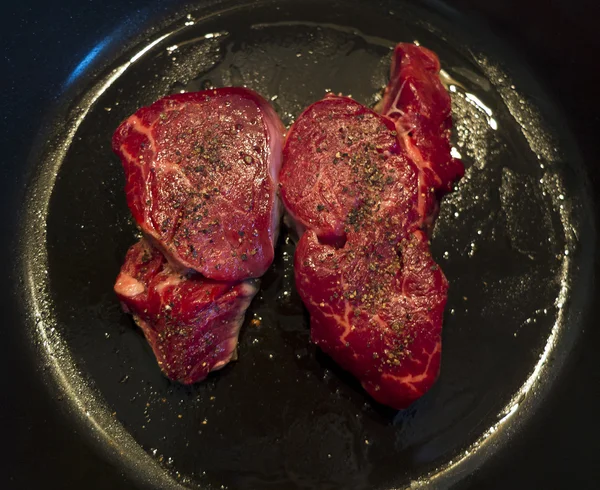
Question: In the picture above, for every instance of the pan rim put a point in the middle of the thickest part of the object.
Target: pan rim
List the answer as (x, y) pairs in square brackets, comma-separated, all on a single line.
[(32, 264)]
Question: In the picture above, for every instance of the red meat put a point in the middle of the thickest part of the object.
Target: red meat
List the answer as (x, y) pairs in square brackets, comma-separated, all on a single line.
[(201, 179), (191, 323), (363, 189)]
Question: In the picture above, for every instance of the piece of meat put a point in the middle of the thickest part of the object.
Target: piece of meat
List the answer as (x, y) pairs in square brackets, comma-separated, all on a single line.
[(344, 169), (201, 179), (376, 308), (191, 323), (363, 193), (416, 100)]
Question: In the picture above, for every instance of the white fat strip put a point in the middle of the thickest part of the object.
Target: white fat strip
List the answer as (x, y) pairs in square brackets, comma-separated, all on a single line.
[(247, 291), (275, 135), (396, 102), (172, 280), (138, 126), (128, 286), (126, 154), (410, 379), (415, 155), (343, 321)]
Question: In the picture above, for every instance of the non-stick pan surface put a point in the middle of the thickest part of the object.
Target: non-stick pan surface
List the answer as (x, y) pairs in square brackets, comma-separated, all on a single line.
[(515, 240)]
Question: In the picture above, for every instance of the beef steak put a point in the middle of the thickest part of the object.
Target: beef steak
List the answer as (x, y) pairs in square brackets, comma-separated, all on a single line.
[(201, 179), (416, 100), (362, 189), (191, 322)]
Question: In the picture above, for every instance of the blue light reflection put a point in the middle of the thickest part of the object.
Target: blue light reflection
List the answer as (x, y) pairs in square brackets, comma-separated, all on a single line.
[(87, 60)]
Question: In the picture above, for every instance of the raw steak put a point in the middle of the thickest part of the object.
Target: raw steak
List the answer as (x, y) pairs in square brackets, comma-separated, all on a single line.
[(363, 189), (201, 179), (191, 323), (417, 101)]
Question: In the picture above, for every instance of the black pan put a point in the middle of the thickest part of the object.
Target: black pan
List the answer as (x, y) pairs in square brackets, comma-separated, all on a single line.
[(516, 241)]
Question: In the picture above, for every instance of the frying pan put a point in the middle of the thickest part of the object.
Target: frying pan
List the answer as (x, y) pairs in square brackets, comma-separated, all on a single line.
[(84, 404)]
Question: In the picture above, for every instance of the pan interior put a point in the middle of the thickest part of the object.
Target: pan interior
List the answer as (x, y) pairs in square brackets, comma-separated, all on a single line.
[(284, 416)]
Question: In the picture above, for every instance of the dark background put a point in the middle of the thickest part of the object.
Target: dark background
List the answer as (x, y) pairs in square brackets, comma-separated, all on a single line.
[(41, 44)]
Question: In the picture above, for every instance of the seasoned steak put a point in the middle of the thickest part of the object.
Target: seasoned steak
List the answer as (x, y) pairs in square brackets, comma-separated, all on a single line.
[(191, 323), (201, 179), (362, 190)]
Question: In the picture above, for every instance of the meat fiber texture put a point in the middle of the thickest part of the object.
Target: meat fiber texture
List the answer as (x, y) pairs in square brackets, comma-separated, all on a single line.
[(363, 190), (201, 182)]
